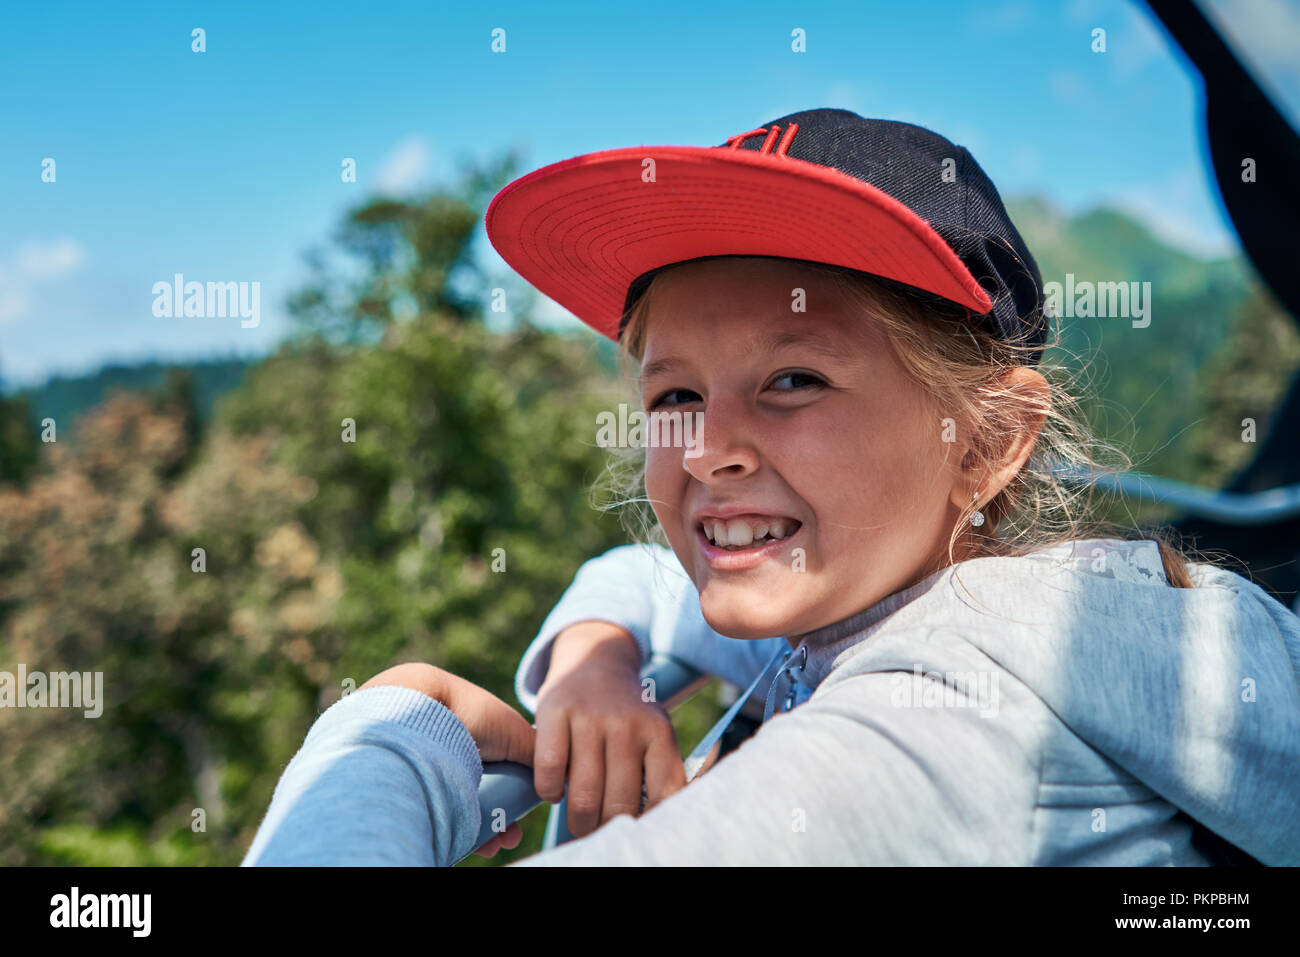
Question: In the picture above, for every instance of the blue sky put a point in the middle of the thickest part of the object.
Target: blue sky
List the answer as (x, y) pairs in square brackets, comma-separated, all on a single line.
[(224, 165)]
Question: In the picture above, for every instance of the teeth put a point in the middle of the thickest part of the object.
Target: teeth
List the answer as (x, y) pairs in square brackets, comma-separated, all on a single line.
[(739, 533)]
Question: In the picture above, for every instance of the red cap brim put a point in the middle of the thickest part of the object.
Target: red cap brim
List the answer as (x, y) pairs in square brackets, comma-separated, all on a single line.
[(582, 229)]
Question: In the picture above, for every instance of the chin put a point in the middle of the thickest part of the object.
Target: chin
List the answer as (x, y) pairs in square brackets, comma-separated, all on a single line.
[(733, 616)]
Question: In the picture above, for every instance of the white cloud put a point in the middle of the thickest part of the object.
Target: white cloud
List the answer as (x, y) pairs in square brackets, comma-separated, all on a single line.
[(35, 262), (50, 260), (403, 168)]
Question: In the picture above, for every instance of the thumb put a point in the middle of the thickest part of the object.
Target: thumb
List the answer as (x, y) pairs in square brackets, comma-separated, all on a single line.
[(501, 732)]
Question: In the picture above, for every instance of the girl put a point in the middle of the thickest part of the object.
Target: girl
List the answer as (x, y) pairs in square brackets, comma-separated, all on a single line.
[(977, 678)]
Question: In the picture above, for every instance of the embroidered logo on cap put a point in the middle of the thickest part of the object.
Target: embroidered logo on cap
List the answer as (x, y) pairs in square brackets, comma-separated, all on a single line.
[(735, 141)]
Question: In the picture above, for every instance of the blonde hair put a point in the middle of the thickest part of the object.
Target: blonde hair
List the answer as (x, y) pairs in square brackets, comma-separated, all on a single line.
[(960, 367)]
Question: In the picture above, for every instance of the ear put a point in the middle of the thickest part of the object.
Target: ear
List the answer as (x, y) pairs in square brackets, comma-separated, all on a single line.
[(1028, 400)]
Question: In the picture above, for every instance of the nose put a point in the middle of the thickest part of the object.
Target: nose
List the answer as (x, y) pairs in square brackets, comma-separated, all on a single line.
[(724, 447)]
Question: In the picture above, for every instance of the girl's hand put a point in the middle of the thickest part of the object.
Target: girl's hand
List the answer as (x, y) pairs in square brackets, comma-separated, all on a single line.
[(592, 722), (501, 733)]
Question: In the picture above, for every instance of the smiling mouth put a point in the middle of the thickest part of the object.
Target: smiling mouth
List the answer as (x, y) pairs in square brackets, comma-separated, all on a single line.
[(740, 534)]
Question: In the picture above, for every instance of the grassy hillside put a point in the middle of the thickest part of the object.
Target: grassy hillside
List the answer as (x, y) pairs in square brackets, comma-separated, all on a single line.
[(1148, 382)]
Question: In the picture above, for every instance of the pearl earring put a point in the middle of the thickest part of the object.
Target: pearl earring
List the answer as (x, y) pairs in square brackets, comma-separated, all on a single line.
[(977, 517)]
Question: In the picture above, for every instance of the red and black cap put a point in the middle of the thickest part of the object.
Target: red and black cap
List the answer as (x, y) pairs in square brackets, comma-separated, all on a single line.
[(881, 197)]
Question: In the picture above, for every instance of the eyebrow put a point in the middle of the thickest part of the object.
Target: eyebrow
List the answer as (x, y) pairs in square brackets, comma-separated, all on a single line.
[(815, 342)]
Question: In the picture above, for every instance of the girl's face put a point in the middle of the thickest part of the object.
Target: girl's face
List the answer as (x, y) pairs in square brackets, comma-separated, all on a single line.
[(811, 429)]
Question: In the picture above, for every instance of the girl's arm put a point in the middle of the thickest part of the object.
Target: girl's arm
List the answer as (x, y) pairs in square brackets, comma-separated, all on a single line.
[(386, 776), (644, 590), (849, 778)]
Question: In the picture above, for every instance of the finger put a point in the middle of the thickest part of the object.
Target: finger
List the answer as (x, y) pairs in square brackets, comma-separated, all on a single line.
[(508, 839), (624, 757), (586, 787), (511, 838), (515, 737), (665, 774), (551, 756), (500, 732)]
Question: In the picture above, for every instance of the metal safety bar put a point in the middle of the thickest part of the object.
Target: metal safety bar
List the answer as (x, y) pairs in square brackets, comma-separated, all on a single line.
[(1229, 508)]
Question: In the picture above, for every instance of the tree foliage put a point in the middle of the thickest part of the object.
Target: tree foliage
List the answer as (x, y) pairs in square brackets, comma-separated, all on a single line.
[(443, 533)]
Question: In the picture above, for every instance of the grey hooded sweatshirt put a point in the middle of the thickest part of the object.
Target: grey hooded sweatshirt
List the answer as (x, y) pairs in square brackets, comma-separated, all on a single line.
[(1066, 707)]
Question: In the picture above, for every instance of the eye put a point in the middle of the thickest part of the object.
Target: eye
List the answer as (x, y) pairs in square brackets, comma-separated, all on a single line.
[(679, 397), (798, 380)]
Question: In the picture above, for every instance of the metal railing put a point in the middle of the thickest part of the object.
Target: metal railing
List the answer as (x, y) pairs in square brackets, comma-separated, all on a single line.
[(1230, 508)]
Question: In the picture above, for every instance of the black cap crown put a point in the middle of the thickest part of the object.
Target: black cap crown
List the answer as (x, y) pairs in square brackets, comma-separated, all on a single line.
[(942, 184)]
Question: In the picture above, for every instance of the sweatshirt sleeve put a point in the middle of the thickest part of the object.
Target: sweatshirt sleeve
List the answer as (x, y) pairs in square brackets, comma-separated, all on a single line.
[(854, 776), (644, 589), (386, 776), (850, 778)]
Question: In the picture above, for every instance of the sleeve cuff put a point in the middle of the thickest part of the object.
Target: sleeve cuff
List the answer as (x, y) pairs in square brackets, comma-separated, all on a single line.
[(433, 722), (536, 661), (626, 586)]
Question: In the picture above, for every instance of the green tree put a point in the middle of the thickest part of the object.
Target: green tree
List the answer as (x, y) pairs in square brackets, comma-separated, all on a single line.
[(232, 583), (18, 439), (1243, 384)]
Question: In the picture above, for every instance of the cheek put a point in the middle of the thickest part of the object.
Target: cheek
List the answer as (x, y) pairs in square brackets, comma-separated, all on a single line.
[(883, 479), (664, 482)]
